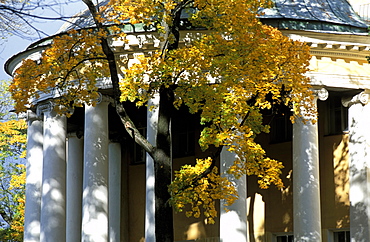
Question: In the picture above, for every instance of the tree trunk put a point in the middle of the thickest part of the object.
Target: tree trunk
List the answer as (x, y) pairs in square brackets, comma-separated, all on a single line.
[(163, 169)]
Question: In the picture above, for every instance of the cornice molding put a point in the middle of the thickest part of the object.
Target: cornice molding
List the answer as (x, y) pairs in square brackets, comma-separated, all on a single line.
[(347, 46), (361, 57)]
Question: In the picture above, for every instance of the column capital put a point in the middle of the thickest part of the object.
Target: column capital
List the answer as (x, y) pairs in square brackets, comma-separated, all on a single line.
[(31, 116), (104, 98), (44, 107), (77, 134), (50, 106), (362, 97), (308, 106), (321, 93)]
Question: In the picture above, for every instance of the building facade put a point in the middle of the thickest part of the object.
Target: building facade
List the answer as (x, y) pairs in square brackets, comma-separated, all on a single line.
[(88, 181)]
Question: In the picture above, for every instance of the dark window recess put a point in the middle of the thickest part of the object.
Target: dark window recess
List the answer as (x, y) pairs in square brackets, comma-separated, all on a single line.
[(336, 115), (285, 238), (281, 128), (139, 152), (342, 236), (183, 134), (183, 142)]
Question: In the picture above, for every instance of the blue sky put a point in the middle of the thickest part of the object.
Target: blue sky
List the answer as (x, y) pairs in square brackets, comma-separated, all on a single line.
[(15, 44)]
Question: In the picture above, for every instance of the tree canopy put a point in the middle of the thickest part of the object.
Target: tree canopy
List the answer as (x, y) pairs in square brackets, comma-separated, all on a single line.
[(12, 171), (220, 61)]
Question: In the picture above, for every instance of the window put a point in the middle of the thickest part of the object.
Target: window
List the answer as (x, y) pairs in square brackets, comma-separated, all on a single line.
[(341, 236), (336, 115), (285, 238), (183, 142), (183, 133), (281, 128), (183, 137)]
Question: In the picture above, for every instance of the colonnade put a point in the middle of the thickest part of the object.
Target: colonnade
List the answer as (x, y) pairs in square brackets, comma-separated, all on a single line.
[(306, 178), (306, 185), (73, 183)]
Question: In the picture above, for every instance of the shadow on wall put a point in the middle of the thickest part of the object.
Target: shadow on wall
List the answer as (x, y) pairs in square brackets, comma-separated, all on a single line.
[(359, 174), (341, 182), (195, 231), (270, 210), (212, 239), (256, 217)]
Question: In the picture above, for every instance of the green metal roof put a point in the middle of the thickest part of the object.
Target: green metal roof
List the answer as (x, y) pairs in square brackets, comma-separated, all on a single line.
[(315, 15)]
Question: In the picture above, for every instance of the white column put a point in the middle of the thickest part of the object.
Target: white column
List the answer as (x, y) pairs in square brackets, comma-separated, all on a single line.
[(33, 178), (53, 204), (306, 185), (152, 120), (114, 192), (359, 177), (95, 177), (74, 187), (233, 224)]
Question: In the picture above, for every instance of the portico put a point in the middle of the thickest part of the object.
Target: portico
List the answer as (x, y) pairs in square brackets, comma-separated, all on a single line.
[(75, 183), (82, 182)]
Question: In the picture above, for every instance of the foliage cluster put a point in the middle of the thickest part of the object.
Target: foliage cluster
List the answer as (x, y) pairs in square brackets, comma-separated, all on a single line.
[(12, 201), (232, 68), (190, 188), (12, 171)]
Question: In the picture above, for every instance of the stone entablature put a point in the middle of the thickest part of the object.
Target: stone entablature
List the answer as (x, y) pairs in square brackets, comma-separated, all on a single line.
[(339, 81), (347, 46)]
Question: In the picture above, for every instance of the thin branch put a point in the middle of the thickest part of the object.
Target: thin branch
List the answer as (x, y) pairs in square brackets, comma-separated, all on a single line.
[(133, 131), (21, 12), (64, 79), (204, 173), (121, 111), (72, 48)]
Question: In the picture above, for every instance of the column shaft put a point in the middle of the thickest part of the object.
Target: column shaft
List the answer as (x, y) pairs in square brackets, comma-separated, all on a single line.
[(306, 186), (152, 121), (114, 192), (359, 176), (34, 165), (53, 208), (74, 187), (233, 224), (95, 178)]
